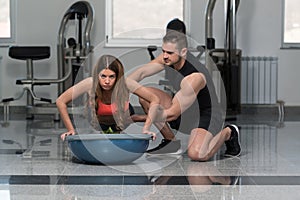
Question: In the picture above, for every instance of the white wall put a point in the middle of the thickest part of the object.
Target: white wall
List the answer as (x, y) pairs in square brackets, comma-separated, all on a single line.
[(259, 34)]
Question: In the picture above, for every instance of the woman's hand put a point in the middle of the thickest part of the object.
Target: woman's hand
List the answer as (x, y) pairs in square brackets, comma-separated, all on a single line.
[(64, 135), (150, 133)]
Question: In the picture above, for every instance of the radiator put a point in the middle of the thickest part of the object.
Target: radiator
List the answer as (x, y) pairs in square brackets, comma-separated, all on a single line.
[(259, 80)]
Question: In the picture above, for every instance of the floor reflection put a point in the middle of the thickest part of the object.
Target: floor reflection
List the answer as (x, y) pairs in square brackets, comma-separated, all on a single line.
[(34, 162)]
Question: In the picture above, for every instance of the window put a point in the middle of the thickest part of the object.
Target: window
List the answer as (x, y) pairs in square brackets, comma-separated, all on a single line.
[(7, 21), (140, 23), (291, 24)]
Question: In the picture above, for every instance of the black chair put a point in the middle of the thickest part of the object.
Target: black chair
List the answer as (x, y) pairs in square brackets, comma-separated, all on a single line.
[(29, 53)]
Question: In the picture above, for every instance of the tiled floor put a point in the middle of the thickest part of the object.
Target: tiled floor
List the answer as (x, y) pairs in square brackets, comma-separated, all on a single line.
[(267, 169)]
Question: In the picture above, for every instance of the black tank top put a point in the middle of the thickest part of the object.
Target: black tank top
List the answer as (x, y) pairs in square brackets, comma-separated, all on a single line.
[(207, 96)]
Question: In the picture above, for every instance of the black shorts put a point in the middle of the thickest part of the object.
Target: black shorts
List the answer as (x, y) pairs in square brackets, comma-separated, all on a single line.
[(186, 123)]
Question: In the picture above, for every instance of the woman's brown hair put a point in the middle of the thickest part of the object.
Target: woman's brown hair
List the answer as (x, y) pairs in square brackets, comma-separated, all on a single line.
[(120, 94)]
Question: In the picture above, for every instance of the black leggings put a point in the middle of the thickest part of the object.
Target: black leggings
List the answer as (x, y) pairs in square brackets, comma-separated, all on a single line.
[(114, 127)]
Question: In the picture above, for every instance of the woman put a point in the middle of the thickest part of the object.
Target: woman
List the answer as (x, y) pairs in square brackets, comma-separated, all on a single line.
[(108, 98)]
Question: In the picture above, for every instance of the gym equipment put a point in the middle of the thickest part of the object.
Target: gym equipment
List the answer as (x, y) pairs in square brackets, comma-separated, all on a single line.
[(71, 58), (28, 53), (108, 149), (78, 48), (20, 150), (29, 153), (151, 49), (227, 60)]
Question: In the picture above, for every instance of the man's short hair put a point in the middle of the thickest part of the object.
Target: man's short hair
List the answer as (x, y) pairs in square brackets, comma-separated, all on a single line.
[(177, 38)]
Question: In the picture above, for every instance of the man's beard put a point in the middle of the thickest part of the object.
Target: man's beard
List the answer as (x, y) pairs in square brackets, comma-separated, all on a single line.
[(173, 63)]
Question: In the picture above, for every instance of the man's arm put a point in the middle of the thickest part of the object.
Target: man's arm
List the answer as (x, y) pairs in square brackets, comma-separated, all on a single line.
[(149, 69), (189, 88)]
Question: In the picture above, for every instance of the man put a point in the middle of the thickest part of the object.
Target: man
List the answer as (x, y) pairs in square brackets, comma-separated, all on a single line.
[(176, 25), (193, 108)]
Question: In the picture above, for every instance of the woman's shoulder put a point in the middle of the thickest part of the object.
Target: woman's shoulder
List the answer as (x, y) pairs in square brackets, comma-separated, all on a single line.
[(88, 80), (85, 84)]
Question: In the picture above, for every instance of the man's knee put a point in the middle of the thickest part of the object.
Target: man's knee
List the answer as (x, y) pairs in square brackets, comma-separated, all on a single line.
[(197, 155), (199, 145)]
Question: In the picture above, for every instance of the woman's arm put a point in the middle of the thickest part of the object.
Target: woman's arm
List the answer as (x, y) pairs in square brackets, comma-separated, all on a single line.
[(146, 94), (66, 97)]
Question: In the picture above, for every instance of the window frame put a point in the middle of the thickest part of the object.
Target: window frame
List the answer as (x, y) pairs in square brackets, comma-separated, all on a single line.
[(114, 42), (286, 45), (12, 38)]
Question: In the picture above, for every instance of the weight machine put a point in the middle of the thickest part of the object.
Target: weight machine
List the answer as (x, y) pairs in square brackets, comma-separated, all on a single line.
[(227, 59), (71, 56)]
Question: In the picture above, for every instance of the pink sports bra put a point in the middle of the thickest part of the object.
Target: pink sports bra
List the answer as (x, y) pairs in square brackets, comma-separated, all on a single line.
[(109, 109)]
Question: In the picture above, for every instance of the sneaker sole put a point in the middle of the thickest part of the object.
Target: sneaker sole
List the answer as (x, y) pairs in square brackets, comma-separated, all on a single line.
[(238, 132)]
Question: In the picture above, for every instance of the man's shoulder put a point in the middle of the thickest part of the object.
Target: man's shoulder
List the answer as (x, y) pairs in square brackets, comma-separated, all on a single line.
[(195, 62), (195, 75)]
